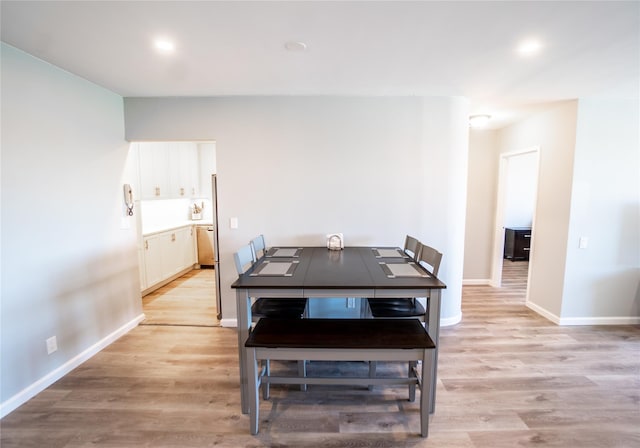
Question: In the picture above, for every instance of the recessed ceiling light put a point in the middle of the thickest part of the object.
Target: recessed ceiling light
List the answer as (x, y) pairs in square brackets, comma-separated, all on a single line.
[(164, 45), (479, 121), (295, 46), (529, 47)]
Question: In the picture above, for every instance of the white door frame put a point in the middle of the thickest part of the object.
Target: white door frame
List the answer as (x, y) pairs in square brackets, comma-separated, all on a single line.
[(498, 236)]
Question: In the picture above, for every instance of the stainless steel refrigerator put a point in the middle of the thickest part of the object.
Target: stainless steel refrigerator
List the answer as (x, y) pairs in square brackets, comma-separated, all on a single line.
[(216, 253)]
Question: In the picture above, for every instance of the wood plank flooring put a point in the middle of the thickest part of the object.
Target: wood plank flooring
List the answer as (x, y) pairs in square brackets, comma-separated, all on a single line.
[(188, 300), (507, 378)]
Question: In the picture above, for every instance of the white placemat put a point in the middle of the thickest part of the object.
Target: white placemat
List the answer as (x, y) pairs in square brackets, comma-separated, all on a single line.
[(284, 252), (388, 253), (405, 270), (276, 269)]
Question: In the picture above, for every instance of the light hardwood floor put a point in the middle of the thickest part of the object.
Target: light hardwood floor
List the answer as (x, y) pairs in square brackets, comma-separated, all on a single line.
[(507, 378), (189, 300)]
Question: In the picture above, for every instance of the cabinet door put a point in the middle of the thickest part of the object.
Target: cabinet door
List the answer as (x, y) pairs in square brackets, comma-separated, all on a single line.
[(170, 254), (153, 254), (183, 170), (185, 250), (141, 265), (154, 170)]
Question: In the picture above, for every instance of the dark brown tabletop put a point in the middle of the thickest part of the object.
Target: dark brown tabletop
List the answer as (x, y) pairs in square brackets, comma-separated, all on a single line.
[(352, 267)]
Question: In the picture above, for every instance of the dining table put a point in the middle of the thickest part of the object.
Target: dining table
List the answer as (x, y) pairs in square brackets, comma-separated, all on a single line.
[(317, 272)]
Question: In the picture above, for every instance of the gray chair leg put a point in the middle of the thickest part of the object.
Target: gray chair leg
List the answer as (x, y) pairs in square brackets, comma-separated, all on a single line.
[(302, 372), (372, 371), (412, 387), (265, 386)]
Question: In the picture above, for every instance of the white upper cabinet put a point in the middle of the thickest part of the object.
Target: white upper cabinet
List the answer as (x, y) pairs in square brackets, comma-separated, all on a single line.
[(168, 170), (154, 164), (183, 170)]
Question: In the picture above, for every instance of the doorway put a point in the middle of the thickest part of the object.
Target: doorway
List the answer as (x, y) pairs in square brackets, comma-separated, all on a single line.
[(516, 211), (174, 200)]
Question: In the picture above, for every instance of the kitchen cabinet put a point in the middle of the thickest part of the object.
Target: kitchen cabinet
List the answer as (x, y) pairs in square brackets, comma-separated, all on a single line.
[(154, 249), (517, 243), (167, 254), (183, 170), (141, 271), (153, 163), (168, 170)]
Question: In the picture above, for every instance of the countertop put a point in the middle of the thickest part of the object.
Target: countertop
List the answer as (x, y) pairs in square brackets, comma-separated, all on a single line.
[(152, 230)]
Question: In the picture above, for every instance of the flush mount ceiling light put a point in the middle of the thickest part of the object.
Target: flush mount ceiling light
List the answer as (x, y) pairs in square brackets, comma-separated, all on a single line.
[(295, 46), (479, 121), (529, 47), (164, 45)]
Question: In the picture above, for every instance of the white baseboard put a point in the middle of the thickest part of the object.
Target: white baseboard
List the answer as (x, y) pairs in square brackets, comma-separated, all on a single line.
[(476, 282), (31, 391), (600, 321), (450, 320), (229, 323), (544, 313), (568, 321)]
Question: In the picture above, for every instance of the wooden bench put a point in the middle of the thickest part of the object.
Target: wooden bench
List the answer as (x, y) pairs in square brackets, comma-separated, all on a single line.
[(340, 340)]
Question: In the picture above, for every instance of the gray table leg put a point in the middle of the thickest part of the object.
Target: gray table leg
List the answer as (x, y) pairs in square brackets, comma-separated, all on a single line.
[(244, 324), (433, 310), (425, 394)]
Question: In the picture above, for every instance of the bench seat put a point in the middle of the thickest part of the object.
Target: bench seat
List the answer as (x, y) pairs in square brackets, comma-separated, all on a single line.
[(340, 340)]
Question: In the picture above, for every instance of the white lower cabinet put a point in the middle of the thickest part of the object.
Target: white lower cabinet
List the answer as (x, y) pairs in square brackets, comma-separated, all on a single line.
[(168, 253)]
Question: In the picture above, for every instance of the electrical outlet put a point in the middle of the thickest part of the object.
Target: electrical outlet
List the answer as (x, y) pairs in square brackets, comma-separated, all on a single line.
[(52, 345)]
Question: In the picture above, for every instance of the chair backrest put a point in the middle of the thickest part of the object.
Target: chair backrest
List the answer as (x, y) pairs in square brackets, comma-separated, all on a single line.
[(411, 246), (428, 257), (243, 258), (258, 247)]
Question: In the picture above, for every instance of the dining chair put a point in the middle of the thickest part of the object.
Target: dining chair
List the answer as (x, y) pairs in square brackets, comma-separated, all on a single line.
[(270, 307), (427, 257), (258, 246), (411, 246), (267, 307), (407, 308)]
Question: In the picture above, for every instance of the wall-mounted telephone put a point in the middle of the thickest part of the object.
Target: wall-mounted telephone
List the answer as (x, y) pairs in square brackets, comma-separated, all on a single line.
[(128, 198)]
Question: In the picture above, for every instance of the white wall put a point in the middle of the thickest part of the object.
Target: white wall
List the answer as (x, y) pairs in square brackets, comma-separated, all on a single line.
[(602, 282), (553, 130), (68, 269), (296, 168), (481, 205), (521, 187)]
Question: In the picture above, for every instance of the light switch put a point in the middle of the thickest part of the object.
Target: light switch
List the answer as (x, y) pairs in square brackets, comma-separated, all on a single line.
[(583, 242), (233, 223)]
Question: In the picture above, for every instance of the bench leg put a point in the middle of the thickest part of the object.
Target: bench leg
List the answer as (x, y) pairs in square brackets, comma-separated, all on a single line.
[(254, 384), (425, 390)]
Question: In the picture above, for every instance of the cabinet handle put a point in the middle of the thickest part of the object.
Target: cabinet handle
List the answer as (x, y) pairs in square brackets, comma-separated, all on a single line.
[(146, 245), (173, 237), (181, 191), (157, 191), (526, 248), (528, 236)]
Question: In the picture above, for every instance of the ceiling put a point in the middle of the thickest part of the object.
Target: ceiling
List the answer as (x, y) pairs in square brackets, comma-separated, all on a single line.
[(449, 48)]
